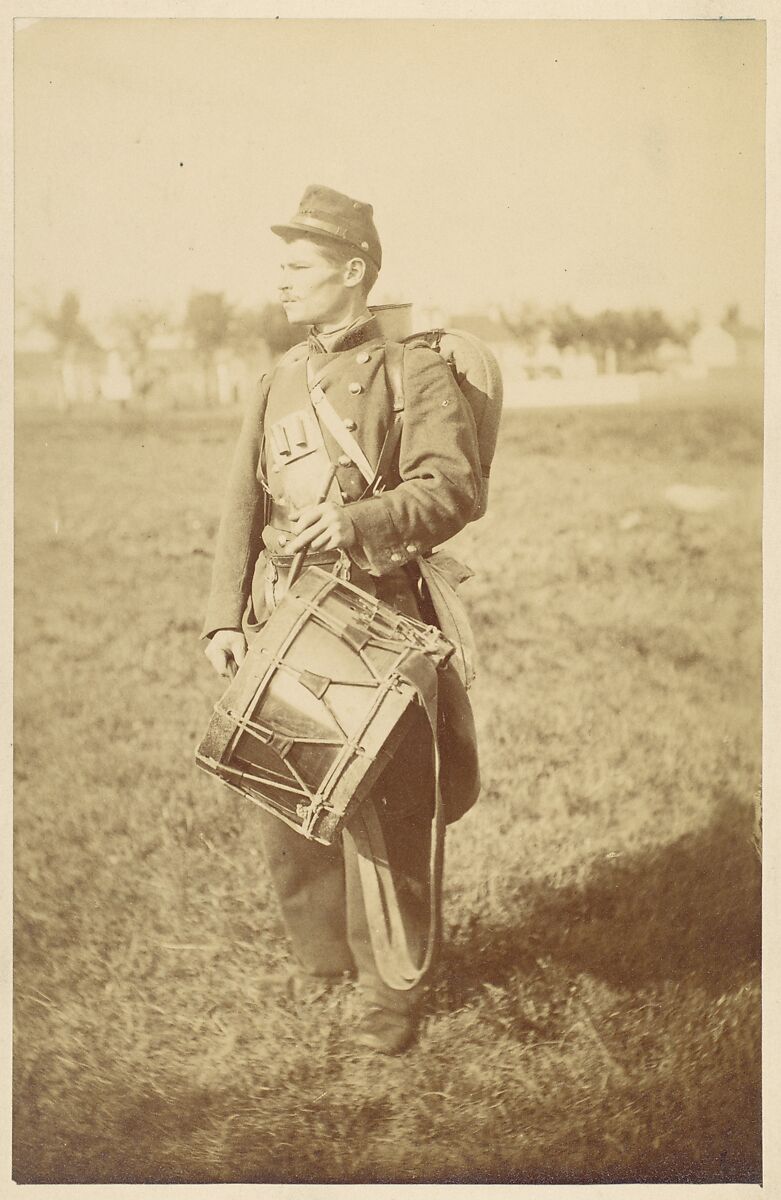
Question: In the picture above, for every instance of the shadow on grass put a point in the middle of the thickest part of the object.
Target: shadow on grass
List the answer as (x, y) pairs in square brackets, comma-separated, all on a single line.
[(689, 910)]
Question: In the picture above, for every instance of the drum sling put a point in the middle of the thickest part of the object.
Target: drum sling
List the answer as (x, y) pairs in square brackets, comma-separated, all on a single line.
[(392, 954)]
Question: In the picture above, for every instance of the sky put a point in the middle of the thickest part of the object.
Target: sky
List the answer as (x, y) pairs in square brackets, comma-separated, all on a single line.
[(601, 163)]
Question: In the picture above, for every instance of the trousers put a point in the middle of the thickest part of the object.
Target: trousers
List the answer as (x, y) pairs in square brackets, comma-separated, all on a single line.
[(319, 887)]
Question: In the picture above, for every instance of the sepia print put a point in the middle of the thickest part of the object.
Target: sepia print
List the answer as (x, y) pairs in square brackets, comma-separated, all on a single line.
[(386, 774)]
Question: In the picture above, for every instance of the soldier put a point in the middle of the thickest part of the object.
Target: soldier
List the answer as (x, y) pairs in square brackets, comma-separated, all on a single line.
[(375, 537)]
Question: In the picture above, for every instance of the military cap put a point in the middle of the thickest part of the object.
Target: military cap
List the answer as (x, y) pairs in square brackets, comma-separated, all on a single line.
[(339, 218)]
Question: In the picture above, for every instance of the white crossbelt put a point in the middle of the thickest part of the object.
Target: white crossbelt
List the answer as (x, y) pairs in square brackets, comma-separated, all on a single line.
[(337, 429)]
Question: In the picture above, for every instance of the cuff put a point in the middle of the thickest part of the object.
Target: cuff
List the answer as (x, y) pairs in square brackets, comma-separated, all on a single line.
[(379, 548), (208, 634)]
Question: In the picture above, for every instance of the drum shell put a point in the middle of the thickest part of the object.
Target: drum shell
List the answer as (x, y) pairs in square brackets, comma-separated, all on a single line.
[(328, 666)]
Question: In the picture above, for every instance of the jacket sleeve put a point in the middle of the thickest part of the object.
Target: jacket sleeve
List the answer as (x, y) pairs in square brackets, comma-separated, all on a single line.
[(439, 471), (239, 540)]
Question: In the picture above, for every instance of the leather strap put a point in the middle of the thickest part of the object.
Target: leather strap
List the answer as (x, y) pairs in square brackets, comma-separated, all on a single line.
[(394, 374), (451, 614), (337, 428)]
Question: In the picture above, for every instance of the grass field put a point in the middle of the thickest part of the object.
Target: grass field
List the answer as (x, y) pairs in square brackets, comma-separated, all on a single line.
[(596, 1015)]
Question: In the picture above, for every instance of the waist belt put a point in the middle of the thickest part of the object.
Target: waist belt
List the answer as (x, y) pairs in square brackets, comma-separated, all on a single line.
[(316, 558)]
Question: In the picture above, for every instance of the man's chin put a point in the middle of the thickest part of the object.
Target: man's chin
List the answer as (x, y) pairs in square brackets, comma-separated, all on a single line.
[(295, 315)]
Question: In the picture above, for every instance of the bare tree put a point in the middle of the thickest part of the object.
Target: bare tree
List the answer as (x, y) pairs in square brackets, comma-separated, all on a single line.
[(71, 337), (208, 320), (732, 321), (267, 324), (64, 323), (135, 326), (526, 323)]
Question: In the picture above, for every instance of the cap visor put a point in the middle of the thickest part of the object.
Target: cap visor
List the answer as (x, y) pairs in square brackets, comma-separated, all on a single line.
[(308, 231), (286, 231)]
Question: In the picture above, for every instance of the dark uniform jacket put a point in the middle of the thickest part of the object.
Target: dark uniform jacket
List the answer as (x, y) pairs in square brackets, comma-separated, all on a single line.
[(432, 487)]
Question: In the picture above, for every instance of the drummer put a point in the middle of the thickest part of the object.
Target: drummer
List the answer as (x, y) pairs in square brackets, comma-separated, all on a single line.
[(331, 256)]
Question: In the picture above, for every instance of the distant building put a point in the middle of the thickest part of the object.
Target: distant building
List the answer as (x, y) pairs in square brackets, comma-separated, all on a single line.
[(711, 348), (751, 348), (116, 386), (577, 364)]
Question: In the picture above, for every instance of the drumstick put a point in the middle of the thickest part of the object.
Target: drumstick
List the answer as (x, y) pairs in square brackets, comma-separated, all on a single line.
[(298, 558)]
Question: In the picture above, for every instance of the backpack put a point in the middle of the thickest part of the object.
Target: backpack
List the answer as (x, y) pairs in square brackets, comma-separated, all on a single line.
[(477, 374)]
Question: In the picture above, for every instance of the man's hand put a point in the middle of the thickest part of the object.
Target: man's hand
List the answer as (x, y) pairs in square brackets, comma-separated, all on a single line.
[(325, 526), (226, 651)]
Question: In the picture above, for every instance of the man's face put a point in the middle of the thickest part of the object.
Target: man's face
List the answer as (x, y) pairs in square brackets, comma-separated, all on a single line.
[(312, 290)]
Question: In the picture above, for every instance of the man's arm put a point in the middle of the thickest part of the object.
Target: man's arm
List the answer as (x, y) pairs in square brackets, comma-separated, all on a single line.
[(439, 466), (239, 538)]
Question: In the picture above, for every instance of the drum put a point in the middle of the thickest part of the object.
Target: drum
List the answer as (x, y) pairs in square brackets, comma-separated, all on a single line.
[(324, 697)]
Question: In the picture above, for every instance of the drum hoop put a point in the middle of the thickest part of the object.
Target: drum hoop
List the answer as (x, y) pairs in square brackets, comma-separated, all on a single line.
[(405, 639)]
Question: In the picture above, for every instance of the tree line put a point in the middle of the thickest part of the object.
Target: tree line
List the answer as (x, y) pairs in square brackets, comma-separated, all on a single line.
[(213, 324), (634, 335), (210, 320)]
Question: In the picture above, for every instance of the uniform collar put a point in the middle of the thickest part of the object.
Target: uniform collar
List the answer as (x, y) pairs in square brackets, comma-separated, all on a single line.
[(364, 330)]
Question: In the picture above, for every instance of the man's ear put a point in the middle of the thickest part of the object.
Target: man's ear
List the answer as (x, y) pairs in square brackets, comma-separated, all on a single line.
[(354, 272)]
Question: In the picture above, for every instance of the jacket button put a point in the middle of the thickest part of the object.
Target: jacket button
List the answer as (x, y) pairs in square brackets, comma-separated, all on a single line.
[(355, 389), (350, 425), (395, 557), (362, 358), (412, 548), (344, 461)]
